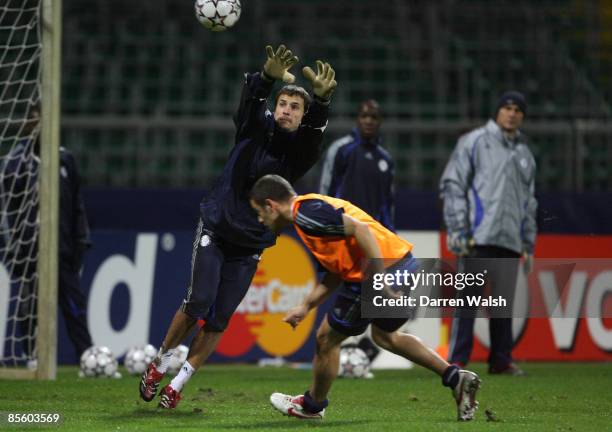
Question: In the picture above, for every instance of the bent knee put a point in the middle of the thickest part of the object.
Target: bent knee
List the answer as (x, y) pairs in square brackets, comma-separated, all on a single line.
[(195, 307), (382, 338), (326, 342), (323, 342)]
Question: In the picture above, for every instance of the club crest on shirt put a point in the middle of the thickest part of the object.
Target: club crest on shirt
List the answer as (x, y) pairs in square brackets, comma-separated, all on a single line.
[(205, 241), (383, 165)]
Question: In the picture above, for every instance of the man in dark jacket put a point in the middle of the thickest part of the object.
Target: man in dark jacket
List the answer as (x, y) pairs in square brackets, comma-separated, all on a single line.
[(20, 196), (358, 169)]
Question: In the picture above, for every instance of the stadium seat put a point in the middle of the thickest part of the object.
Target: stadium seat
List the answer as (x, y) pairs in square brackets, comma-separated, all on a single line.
[(424, 61)]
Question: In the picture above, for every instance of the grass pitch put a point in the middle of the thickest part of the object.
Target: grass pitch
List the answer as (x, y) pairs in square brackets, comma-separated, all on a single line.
[(554, 397)]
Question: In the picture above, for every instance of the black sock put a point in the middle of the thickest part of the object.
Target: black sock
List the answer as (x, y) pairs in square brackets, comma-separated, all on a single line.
[(312, 406), (450, 377)]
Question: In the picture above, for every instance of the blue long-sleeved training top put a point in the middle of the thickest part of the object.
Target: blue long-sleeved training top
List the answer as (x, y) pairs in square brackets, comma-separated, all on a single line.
[(361, 172)]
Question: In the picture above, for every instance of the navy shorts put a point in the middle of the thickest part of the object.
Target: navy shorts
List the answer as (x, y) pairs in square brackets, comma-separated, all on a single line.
[(221, 274), (345, 316)]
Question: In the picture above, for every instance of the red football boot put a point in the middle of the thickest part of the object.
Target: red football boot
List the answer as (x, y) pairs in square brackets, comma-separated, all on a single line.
[(150, 383), (169, 397)]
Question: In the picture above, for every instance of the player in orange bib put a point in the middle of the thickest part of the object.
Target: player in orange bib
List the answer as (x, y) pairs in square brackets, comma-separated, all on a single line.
[(341, 236)]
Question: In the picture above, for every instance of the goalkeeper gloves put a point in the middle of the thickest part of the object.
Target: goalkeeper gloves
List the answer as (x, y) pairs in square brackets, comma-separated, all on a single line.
[(323, 82), (278, 64)]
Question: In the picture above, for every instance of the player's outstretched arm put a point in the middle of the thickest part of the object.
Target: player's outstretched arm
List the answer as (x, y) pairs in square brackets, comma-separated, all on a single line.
[(309, 139), (318, 295), (251, 113), (278, 64), (323, 82)]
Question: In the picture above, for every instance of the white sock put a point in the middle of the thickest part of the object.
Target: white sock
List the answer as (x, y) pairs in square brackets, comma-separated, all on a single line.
[(164, 360), (182, 377)]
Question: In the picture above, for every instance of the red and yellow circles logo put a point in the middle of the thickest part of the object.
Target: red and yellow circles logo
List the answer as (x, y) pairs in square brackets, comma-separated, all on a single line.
[(285, 276)]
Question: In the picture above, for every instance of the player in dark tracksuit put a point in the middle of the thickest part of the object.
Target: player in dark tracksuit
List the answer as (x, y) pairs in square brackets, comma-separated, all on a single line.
[(229, 240), (358, 169), (20, 174)]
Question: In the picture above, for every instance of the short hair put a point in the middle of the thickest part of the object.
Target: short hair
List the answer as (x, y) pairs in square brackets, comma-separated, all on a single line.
[(272, 187), (372, 103), (32, 107), (294, 90)]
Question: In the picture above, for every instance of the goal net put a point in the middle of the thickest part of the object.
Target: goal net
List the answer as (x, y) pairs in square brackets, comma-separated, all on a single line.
[(22, 179)]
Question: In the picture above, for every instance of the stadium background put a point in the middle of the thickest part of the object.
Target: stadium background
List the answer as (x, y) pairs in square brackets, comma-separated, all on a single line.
[(147, 98)]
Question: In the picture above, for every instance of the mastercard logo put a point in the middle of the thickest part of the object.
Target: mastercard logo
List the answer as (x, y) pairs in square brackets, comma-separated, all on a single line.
[(284, 277)]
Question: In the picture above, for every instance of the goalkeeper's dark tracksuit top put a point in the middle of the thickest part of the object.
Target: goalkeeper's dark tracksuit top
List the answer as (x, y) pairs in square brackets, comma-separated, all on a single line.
[(260, 148), (361, 172)]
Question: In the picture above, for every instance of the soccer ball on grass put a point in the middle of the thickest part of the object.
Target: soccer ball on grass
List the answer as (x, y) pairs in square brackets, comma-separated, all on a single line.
[(354, 363), (138, 358), (98, 361), (178, 358)]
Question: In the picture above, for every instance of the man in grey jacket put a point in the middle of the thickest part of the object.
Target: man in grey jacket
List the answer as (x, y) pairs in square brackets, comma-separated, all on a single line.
[(490, 212)]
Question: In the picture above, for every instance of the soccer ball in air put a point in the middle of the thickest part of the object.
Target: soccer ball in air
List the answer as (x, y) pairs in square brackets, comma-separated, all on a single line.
[(218, 15), (178, 358), (138, 358), (354, 363), (98, 361)]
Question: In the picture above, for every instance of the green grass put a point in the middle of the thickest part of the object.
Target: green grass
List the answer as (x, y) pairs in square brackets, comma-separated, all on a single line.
[(554, 397)]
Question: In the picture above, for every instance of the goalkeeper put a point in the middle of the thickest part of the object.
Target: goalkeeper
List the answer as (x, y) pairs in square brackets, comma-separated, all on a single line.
[(229, 240)]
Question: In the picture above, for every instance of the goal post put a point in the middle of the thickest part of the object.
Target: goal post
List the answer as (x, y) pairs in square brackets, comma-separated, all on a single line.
[(30, 81), (49, 189)]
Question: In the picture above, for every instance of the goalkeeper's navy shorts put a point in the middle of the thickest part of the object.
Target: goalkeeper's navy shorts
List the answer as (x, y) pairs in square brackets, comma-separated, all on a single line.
[(221, 274), (345, 316)]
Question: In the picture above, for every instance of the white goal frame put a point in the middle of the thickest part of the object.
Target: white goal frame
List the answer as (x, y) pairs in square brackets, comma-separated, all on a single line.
[(48, 179)]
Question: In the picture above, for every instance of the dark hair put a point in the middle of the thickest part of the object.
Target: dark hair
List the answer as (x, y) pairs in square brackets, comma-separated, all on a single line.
[(33, 107), (369, 103), (272, 187), (293, 90)]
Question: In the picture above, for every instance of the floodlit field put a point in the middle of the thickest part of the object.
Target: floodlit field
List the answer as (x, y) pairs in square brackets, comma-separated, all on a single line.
[(554, 397)]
